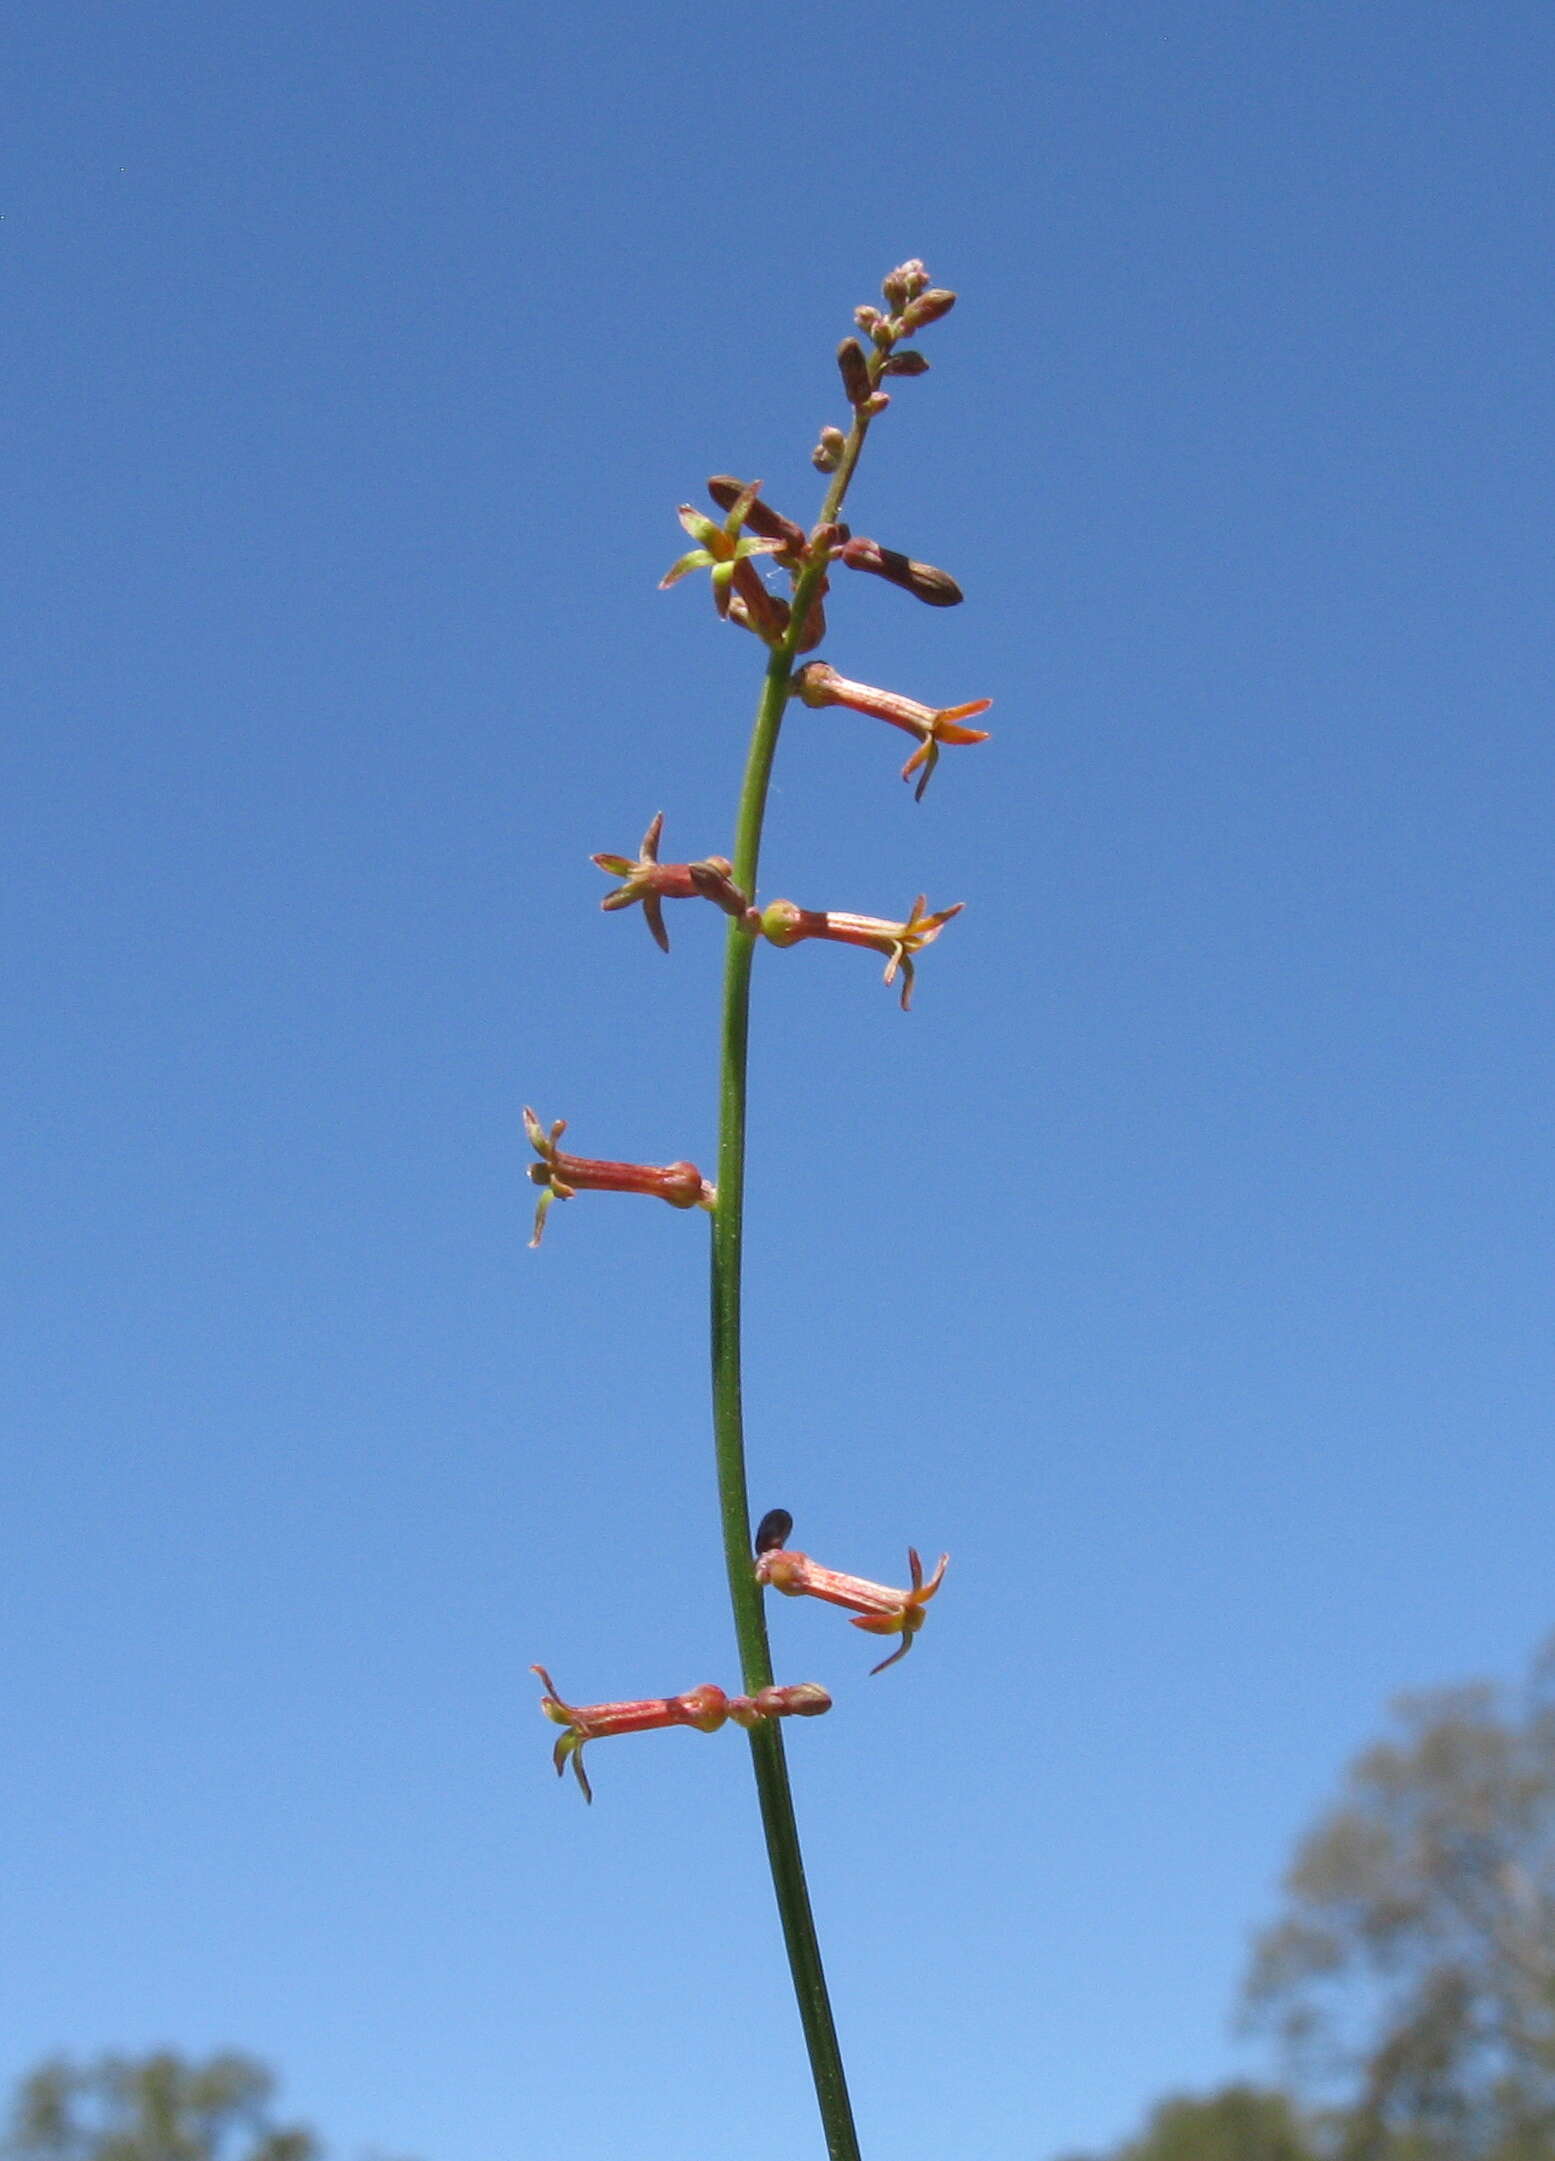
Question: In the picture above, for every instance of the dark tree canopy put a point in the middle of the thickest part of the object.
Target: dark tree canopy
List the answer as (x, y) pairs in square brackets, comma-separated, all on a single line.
[(151, 2108), (1240, 2123), (1412, 1975)]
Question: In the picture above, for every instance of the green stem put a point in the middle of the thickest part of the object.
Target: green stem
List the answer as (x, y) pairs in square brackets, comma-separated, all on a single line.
[(772, 1784)]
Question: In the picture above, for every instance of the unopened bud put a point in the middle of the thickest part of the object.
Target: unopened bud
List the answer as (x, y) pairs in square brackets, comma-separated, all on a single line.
[(905, 283), (765, 613), (806, 1699), (759, 516), (868, 319), (827, 454), (936, 588), (714, 880), (926, 310), (909, 363), (854, 370), (876, 402)]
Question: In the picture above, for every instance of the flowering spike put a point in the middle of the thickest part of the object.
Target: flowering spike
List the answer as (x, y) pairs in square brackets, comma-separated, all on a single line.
[(561, 1176), (876, 1607), (648, 880), (818, 684)]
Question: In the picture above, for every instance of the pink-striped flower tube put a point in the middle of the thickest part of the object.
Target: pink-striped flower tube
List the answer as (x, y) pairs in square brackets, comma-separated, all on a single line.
[(705, 1709), (876, 1607)]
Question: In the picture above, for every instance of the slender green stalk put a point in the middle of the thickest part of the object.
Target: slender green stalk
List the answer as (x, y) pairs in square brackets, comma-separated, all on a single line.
[(772, 1784)]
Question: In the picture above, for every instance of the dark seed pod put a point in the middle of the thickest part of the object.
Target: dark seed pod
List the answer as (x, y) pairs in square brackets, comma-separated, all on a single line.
[(772, 1531)]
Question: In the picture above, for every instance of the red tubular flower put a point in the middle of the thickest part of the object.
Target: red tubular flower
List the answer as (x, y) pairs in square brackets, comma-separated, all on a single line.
[(819, 684), (704, 1708), (784, 924), (561, 1176), (876, 1607), (648, 880)]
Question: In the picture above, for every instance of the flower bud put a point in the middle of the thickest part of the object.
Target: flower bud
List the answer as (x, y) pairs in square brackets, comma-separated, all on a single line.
[(759, 516), (827, 454), (936, 588), (806, 1699), (765, 613), (909, 363), (713, 878), (920, 313), (854, 370), (905, 283)]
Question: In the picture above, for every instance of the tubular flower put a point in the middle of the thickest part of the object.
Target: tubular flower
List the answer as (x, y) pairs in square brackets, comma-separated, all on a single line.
[(681, 1184), (648, 880), (876, 1607), (723, 548), (705, 1708), (819, 684), (784, 924)]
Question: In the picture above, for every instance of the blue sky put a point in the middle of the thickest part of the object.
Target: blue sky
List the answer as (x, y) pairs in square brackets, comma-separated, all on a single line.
[(1181, 1263)]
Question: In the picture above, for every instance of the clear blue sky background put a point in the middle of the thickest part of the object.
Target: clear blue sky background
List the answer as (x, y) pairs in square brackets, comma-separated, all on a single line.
[(1181, 1263)]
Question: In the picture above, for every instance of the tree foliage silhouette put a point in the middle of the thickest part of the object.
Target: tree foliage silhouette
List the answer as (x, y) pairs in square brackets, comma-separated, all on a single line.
[(161, 2107), (1412, 1975)]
